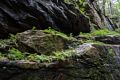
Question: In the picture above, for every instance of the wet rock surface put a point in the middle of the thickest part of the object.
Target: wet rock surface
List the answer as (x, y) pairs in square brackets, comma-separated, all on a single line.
[(109, 39), (20, 15)]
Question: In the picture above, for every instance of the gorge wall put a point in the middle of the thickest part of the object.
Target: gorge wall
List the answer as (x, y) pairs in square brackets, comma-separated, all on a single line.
[(20, 15)]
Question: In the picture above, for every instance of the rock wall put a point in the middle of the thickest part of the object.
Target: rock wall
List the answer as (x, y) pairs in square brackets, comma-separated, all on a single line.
[(20, 15), (97, 18)]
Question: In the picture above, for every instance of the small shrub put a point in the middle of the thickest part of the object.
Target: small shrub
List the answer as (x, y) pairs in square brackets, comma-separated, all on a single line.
[(13, 37), (57, 56), (39, 58), (15, 54)]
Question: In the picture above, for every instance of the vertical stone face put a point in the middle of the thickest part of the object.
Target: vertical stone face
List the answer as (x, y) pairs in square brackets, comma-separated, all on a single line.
[(21, 15)]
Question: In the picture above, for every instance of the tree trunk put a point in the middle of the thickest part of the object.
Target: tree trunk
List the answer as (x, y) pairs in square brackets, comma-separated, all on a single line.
[(103, 7)]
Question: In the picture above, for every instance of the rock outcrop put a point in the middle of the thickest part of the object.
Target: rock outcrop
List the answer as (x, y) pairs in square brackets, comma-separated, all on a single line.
[(97, 18), (20, 15), (108, 39), (90, 62), (85, 61), (37, 41)]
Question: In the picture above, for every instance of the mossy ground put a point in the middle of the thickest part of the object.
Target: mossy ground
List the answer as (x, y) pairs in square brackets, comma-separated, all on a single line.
[(98, 33), (102, 32)]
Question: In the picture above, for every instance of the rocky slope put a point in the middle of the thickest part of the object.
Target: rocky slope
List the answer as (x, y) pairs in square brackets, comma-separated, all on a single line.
[(52, 55)]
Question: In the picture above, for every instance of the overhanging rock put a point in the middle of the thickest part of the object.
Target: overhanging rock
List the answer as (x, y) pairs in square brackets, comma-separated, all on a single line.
[(20, 15)]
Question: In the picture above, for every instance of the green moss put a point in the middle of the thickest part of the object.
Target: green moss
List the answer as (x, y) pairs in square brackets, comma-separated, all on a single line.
[(102, 32), (89, 37), (93, 41), (15, 54)]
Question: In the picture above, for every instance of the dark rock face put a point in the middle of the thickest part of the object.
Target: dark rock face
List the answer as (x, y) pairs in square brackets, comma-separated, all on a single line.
[(20, 15)]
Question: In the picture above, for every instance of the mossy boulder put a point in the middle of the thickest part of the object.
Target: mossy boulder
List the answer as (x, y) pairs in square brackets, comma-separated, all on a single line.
[(37, 41)]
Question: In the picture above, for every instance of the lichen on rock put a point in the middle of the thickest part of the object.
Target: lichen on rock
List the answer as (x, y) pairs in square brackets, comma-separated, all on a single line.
[(40, 42)]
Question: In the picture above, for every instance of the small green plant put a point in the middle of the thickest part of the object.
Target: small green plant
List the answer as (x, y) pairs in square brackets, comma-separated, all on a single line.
[(33, 28), (15, 54), (12, 37), (39, 58), (54, 32), (86, 35), (5, 42), (104, 32), (57, 56), (63, 55), (93, 41)]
